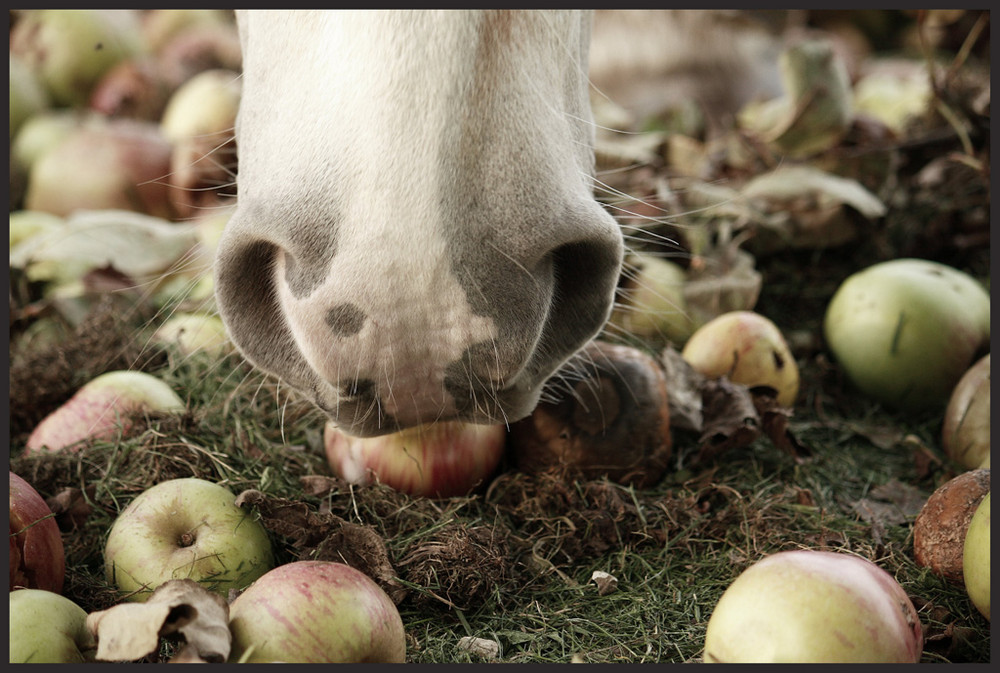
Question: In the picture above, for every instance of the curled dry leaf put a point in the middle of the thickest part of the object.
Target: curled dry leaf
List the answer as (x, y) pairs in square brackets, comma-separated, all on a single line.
[(130, 631), (606, 582), (72, 506), (488, 649)]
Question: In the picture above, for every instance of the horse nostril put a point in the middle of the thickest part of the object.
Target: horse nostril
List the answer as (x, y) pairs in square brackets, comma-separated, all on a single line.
[(358, 388)]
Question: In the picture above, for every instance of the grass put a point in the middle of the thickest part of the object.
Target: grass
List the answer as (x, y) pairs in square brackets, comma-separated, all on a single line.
[(674, 548)]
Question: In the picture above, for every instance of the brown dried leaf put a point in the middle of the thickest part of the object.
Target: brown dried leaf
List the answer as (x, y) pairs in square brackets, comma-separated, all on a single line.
[(327, 537), (606, 582), (71, 507), (684, 386), (731, 420), (774, 422), (130, 631)]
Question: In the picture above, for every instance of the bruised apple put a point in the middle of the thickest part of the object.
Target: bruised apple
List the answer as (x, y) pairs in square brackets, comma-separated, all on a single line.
[(316, 612), (185, 529), (748, 349), (940, 528), (807, 606), (101, 408), (611, 420), (37, 557), (438, 460)]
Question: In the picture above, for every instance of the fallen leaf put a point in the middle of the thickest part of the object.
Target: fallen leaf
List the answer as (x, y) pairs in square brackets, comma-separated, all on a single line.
[(138, 246), (71, 506), (606, 582), (324, 536), (684, 390), (488, 649), (177, 608), (730, 418)]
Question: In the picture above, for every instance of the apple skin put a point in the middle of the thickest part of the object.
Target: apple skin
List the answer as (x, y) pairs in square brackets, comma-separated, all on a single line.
[(807, 606), (37, 557), (652, 304), (316, 612), (976, 558), (185, 528), (437, 460), (965, 434), (100, 407), (48, 628), (905, 331), (747, 348)]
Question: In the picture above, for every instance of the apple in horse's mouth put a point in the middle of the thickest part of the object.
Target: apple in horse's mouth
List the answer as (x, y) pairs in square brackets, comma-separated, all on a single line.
[(437, 460)]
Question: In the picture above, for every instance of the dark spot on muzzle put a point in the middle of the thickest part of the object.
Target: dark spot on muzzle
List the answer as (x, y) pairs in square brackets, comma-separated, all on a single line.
[(345, 320)]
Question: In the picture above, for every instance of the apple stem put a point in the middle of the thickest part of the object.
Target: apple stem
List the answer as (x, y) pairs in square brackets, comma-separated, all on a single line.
[(186, 539)]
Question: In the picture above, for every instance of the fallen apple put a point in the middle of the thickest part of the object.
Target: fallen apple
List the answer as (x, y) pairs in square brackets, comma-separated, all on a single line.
[(119, 164), (69, 49), (437, 460), (185, 529), (43, 131), (614, 420), (27, 95), (102, 408), (747, 348), (965, 434), (48, 628), (807, 606), (198, 121), (194, 332), (976, 558), (316, 612), (905, 331), (37, 557), (160, 25), (134, 89), (651, 302), (940, 527)]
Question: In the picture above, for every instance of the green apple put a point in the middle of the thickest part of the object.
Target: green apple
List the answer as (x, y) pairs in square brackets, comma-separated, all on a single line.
[(27, 96), (976, 558), (906, 330), (808, 606), (185, 528), (652, 303), (194, 332), (70, 49), (965, 434), (316, 612), (48, 628), (747, 348)]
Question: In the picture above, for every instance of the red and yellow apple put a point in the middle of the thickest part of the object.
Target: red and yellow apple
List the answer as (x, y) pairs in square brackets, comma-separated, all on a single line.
[(37, 557), (316, 612), (808, 606), (438, 460)]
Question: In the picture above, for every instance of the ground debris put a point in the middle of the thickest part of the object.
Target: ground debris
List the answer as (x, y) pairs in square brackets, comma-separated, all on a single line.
[(324, 536)]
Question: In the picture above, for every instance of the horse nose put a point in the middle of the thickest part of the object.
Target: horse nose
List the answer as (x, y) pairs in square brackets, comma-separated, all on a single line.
[(403, 328)]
